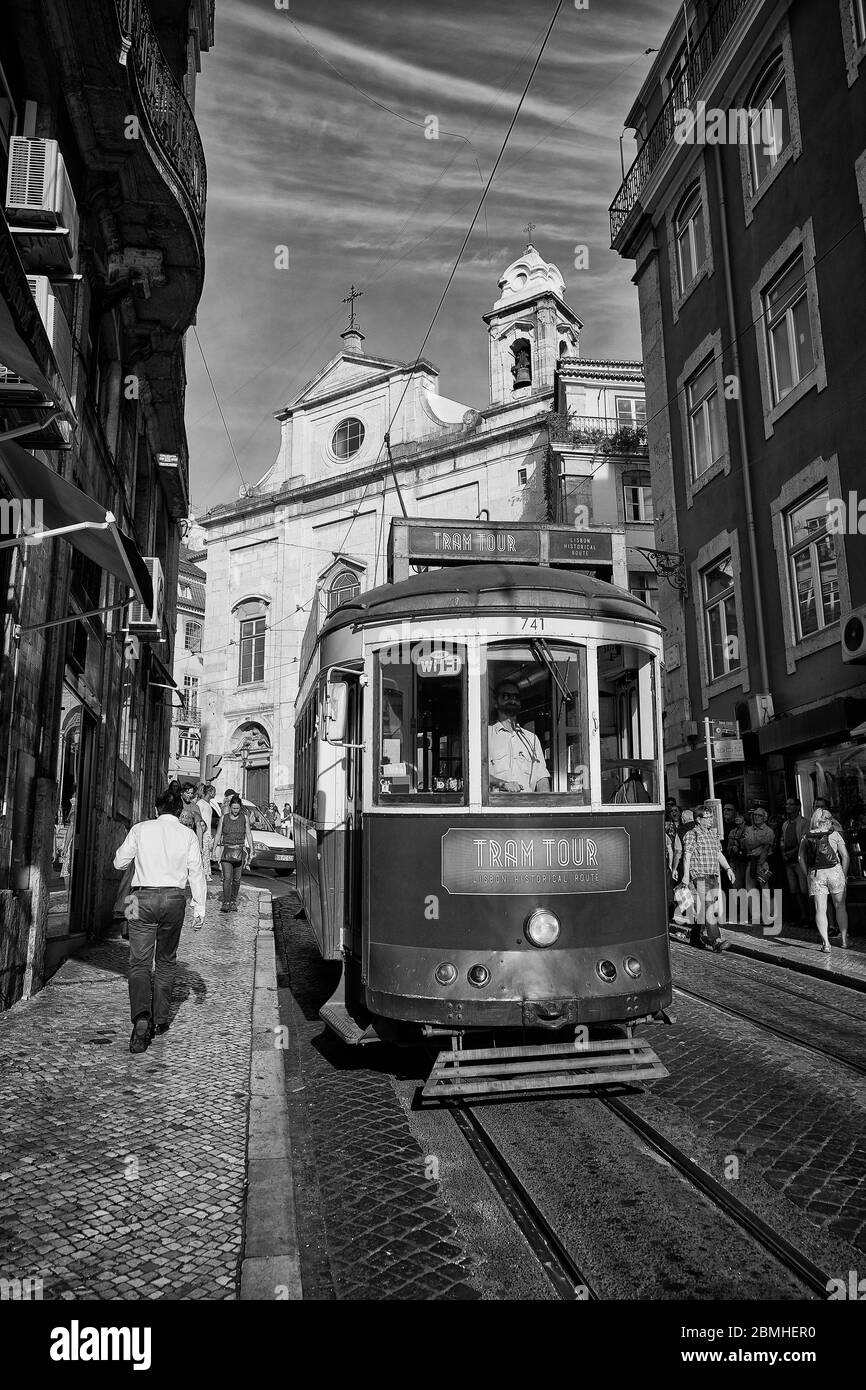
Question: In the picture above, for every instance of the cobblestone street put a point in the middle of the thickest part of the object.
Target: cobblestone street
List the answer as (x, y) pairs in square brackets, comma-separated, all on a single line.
[(122, 1177), (372, 1221)]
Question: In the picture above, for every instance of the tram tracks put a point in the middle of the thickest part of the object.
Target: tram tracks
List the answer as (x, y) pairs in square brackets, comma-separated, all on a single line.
[(825, 1052), (567, 1277), (564, 1274)]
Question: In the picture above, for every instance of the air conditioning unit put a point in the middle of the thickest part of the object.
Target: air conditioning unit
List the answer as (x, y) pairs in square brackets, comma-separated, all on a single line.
[(754, 712), (59, 335), (40, 204), (58, 330), (145, 624), (854, 636)]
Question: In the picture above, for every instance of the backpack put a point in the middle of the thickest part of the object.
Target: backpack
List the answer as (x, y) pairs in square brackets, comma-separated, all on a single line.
[(820, 854)]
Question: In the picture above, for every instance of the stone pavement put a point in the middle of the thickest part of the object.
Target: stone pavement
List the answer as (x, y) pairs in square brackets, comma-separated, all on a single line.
[(121, 1176), (798, 946), (372, 1219)]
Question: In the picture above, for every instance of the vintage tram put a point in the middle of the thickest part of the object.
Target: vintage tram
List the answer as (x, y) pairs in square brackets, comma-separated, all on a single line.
[(478, 799)]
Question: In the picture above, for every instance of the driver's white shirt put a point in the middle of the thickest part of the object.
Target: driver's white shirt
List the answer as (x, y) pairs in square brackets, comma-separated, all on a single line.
[(515, 755)]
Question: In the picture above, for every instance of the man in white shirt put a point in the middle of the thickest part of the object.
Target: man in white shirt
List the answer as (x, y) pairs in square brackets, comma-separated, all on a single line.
[(515, 758), (167, 856)]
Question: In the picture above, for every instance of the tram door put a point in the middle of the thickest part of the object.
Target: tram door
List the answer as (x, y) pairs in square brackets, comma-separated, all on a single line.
[(354, 772)]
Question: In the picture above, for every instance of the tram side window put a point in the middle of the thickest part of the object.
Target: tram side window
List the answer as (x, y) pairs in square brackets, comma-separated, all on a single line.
[(537, 730), (421, 724), (627, 725)]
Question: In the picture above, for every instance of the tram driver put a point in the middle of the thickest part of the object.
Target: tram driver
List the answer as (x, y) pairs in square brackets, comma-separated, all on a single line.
[(516, 760)]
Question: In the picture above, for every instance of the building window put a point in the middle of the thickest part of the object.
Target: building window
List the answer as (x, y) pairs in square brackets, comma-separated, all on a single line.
[(789, 331), (252, 625), (720, 617), (705, 434), (812, 568), (345, 586), (644, 584), (769, 121), (192, 636), (689, 232), (348, 438), (637, 497), (190, 698), (188, 744), (631, 411), (521, 477)]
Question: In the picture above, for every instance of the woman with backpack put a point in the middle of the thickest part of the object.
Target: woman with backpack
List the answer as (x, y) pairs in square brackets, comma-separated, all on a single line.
[(823, 858)]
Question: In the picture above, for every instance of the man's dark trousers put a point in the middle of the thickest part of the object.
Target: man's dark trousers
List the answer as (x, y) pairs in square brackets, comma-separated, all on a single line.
[(160, 919)]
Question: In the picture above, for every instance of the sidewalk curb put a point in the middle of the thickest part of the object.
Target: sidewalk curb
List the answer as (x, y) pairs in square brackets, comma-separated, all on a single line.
[(270, 1266)]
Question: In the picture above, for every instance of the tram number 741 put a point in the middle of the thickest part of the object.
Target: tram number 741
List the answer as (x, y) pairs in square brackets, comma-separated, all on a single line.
[(532, 625)]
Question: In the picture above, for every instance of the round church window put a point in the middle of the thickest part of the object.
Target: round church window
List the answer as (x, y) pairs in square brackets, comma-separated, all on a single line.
[(348, 438)]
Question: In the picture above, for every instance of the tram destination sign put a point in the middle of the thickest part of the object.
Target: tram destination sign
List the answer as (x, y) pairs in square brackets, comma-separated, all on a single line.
[(451, 541), (594, 859), (579, 547)]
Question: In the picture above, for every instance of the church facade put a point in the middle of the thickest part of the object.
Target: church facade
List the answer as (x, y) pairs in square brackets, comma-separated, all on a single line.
[(561, 440)]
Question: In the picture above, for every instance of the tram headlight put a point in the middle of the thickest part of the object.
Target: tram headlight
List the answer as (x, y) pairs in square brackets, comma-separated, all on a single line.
[(446, 973), (542, 927), (632, 967), (606, 970), (478, 975)]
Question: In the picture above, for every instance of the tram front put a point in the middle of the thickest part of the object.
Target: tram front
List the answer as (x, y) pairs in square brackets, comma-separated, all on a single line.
[(512, 865)]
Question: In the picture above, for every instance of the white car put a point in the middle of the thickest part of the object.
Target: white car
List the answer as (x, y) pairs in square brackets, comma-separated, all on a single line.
[(271, 850)]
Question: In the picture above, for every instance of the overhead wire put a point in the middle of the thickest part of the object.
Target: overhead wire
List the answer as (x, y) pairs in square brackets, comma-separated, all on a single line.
[(463, 246)]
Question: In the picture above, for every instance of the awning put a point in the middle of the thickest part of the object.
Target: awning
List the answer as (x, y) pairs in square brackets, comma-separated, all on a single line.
[(24, 345), (69, 512), (834, 719)]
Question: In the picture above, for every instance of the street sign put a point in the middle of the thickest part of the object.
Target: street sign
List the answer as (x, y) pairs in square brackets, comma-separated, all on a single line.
[(727, 750), (724, 728)]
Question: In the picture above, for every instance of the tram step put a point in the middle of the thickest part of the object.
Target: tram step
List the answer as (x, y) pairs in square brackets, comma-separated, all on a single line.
[(337, 1017), (543, 1067)]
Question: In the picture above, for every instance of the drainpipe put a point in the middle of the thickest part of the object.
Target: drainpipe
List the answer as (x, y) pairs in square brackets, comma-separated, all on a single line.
[(741, 430)]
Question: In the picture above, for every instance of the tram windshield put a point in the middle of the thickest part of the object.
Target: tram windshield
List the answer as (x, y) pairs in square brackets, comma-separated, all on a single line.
[(421, 721), (538, 725), (537, 729)]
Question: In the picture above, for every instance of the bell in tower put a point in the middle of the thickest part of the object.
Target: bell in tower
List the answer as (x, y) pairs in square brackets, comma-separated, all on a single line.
[(522, 369), (529, 321)]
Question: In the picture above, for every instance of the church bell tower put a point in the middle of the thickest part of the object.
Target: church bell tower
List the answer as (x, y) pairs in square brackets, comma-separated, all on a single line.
[(530, 327)]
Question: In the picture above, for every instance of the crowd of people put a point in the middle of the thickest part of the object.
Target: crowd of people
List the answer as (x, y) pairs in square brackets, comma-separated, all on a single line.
[(808, 861)]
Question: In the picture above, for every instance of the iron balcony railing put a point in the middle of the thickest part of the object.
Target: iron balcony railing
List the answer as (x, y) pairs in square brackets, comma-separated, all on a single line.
[(682, 94), (168, 111), (614, 435)]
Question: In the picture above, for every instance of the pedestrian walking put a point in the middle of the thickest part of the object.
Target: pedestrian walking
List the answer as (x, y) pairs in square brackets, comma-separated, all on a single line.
[(673, 854), (234, 848), (794, 827), (703, 858), (190, 815), (824, 860), (735, 850), (166, 857), (287, 819), (207, 810), (758, 842)]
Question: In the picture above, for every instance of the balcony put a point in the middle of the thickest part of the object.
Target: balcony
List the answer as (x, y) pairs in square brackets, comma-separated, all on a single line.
[(168, 112), (187, 715), (682, 94), (607, 435)]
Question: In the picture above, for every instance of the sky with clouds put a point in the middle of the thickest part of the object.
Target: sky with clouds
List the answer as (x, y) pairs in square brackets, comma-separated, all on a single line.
[(301, 153)]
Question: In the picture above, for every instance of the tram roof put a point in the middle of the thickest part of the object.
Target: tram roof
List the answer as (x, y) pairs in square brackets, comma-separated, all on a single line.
[(490, 588)]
